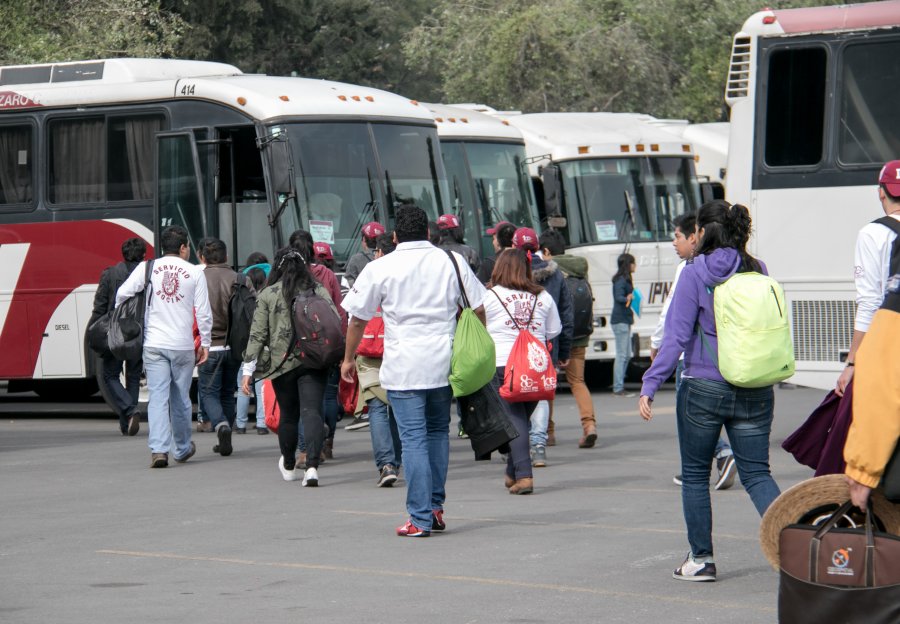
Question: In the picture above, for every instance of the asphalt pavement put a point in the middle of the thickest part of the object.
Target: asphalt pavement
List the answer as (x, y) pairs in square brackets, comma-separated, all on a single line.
[(89, 533)]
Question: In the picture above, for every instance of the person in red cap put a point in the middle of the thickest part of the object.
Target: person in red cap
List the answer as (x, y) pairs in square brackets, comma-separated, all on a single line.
[(877, 258), (451, 239), (370, 232), (502, 235), (323, 255)]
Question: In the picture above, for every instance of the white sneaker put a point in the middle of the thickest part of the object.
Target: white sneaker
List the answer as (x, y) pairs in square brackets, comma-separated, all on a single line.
[(694, 570), (287, 475), (311, 478)]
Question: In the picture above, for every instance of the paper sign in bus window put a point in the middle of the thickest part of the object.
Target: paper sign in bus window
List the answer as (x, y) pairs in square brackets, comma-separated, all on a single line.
[(322, 231), (606, 230)]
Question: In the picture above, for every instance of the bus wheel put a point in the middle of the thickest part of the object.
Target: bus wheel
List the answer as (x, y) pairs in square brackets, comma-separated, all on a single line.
[(65, 389), (598, 374)]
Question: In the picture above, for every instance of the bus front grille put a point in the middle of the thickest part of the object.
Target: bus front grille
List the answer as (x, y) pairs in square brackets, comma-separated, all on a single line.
[(823, 330)]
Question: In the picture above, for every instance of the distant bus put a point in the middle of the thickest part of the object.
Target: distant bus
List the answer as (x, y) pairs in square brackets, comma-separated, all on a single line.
[(710, 144), (486, 172), (95, 152), (617, 180), (814, 117)]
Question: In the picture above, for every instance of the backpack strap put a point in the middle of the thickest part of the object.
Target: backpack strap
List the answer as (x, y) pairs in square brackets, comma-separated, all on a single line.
[(462, 289), (149, 271), (706, 345), (894, 225)]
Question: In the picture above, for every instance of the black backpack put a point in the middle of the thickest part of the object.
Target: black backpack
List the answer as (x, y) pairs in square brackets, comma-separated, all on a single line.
[(241, 307), (582, 306), (317, 329), (893, 224)]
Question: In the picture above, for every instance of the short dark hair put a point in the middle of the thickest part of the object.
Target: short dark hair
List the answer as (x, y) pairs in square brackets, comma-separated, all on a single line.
[(553, 241), (172, 238), (411, 224), (452, 235), (257, 257), (505, 235), (385, 243), (434, 233), (214, 250), (134, 250), (686, 222), (257, 277)]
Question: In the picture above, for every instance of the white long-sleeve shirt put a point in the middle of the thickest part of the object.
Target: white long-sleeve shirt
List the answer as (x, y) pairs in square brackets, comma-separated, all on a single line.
[(657, 337), (177, 292), (545, 324), (871, 270)]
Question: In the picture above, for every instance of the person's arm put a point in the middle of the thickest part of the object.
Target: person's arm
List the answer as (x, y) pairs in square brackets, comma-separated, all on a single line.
[(101, 297), (656, 338), (354, 335), (259, 335), (203, 314), (850, 365), (620, 292), (869, 277)]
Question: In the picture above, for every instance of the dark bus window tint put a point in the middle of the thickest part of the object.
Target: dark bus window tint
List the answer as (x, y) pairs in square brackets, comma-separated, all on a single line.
[(130, 144), (15, 164), (869, 125), (77, 161), (795, 108)]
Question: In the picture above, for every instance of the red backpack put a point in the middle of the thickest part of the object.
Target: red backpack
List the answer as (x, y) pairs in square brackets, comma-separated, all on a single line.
[(529, 375), (372, 343)]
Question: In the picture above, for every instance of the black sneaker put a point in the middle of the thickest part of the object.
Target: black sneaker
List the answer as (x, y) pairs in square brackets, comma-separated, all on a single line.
[(240, 430), (691, 570), (727, 472), (223, 431), (388, 476), (262, 431)]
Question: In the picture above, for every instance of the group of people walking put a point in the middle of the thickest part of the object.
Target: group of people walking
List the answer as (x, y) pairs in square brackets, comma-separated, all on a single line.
[(401, 300)]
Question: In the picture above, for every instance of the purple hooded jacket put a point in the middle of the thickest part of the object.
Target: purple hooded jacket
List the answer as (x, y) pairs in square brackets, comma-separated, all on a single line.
[(693, 303)]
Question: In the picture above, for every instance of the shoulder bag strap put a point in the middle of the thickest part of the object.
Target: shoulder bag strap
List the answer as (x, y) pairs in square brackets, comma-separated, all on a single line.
[(147, 288), (462, 289), (506, 309)]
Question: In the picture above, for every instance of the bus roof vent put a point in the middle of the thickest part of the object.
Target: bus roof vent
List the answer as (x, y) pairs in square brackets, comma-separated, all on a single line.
[(739, 70)]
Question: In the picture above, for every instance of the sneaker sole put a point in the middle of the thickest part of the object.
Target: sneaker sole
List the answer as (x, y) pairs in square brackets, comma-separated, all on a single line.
[(387, 481), (726, 479), (225, 447), (676, 481), (356, 427), (134, 425), (159, 463), (694, 579), (589, 441), (539, 464), (311, 483)]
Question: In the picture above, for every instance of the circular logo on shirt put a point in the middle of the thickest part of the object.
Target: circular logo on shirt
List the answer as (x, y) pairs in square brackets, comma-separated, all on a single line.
[(170, 284)]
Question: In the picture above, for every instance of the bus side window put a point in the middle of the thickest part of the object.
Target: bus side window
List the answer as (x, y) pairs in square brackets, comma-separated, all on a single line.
[(15, 165)]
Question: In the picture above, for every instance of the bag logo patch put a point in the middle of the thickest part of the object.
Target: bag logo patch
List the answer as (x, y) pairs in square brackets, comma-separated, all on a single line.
[(537, 358), (841, 560)]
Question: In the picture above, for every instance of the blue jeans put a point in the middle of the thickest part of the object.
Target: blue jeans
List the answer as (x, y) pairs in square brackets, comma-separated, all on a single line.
[(703, 408), (169, 375), (622, 332), (216, 387), (423, 419), (330, 408), (243, 405), (386, 446), (722, 447), (540, 419), (518, 462)]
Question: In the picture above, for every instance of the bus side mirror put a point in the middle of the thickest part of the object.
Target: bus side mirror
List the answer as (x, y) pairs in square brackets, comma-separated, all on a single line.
[(281, 167), (550, 182), (711, 190)]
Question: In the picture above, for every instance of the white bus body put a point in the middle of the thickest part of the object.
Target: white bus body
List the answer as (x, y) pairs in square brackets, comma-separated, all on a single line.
[(813, 97), (588, 163)]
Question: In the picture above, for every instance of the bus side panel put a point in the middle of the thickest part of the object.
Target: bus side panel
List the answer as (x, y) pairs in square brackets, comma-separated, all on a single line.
[(59, 258)]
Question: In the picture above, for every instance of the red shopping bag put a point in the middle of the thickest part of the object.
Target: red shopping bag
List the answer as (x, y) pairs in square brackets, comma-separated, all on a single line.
[(529, 374), (270, 405)]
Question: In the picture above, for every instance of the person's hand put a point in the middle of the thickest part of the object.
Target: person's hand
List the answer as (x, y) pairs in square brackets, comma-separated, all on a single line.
[(859, 493), (202, 355), (653, 353), (563, 363), (645, 406), (348, 371), (246, 380), (628, 300), (844, 380)]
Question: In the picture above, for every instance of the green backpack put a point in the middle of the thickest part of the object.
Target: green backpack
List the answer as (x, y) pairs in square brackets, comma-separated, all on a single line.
[(755, 347)]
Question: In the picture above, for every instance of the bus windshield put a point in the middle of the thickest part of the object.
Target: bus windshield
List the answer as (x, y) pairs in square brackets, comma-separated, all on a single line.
[(501, 181), (615, 200), (339, 184)]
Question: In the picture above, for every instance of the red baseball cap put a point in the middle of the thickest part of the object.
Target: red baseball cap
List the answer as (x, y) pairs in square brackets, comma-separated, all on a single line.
[(890, 177), (373, 229), (525, 239), (447, 221), (493, 230), (323, 251)]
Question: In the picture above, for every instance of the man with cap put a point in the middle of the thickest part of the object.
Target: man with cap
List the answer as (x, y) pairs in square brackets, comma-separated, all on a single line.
[(501, 238), (323, 255), (876, 260), (547, 274), (370, 232), (451, 239)]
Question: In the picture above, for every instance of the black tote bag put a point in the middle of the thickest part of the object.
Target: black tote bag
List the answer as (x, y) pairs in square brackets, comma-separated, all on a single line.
[(126, 324)]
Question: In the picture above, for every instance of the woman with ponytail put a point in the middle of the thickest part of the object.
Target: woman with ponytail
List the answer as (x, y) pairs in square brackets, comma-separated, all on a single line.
[(706, 402), (271, 353)]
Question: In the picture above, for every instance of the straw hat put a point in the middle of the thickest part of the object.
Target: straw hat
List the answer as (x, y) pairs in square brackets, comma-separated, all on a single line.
[(816, 498)]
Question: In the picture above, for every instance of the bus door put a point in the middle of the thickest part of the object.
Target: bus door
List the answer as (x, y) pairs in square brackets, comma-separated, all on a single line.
[(180, 197)]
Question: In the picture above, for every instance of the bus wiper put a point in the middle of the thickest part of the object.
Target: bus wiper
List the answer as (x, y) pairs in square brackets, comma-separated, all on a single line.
[(628, 216), (483, 198)]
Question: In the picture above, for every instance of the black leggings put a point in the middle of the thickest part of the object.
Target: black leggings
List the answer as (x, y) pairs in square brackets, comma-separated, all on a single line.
[(299, 393)]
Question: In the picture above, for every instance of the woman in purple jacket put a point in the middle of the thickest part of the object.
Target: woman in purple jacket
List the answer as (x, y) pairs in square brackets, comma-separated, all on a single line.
[(706, 402)]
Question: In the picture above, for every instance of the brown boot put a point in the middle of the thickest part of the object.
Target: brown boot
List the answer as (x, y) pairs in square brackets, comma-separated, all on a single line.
[(301, 460), (328, 449), (590, 437), (508, 482), (522, 486), (551, 432)]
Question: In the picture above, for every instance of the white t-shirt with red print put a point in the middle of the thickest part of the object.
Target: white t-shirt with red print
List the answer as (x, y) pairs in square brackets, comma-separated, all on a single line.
[(545, 325), (177, 290)]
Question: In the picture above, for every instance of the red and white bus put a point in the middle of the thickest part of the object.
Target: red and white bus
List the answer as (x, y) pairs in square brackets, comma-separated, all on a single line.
[(814, 116), (95, 152)]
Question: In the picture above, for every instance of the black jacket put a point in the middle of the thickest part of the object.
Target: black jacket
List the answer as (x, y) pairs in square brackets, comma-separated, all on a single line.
[(110, 281)]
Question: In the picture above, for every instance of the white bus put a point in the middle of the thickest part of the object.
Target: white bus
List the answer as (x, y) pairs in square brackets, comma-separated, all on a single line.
[(95, 152), (484, 158), (618, 181), (710, 144), (814, 116)]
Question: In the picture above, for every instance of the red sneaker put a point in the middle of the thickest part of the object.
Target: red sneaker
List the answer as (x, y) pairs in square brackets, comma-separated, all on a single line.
[(411, 530), (437, 520)]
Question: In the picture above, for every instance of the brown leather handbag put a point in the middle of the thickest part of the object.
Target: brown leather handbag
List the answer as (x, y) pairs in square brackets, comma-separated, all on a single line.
[(839, 575)]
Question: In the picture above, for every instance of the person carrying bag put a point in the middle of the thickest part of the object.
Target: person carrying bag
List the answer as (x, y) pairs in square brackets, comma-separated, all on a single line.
[(472, 363)]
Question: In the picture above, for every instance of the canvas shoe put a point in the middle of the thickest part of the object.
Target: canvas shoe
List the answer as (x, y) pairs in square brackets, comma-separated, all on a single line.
[(388, 476), (727, 472), (310, 478), (693, 570), (411, 530), (287, 475), (538, 456)]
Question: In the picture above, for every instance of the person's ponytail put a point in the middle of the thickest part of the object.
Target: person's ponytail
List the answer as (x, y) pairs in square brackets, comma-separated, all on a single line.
[(739, 227)]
